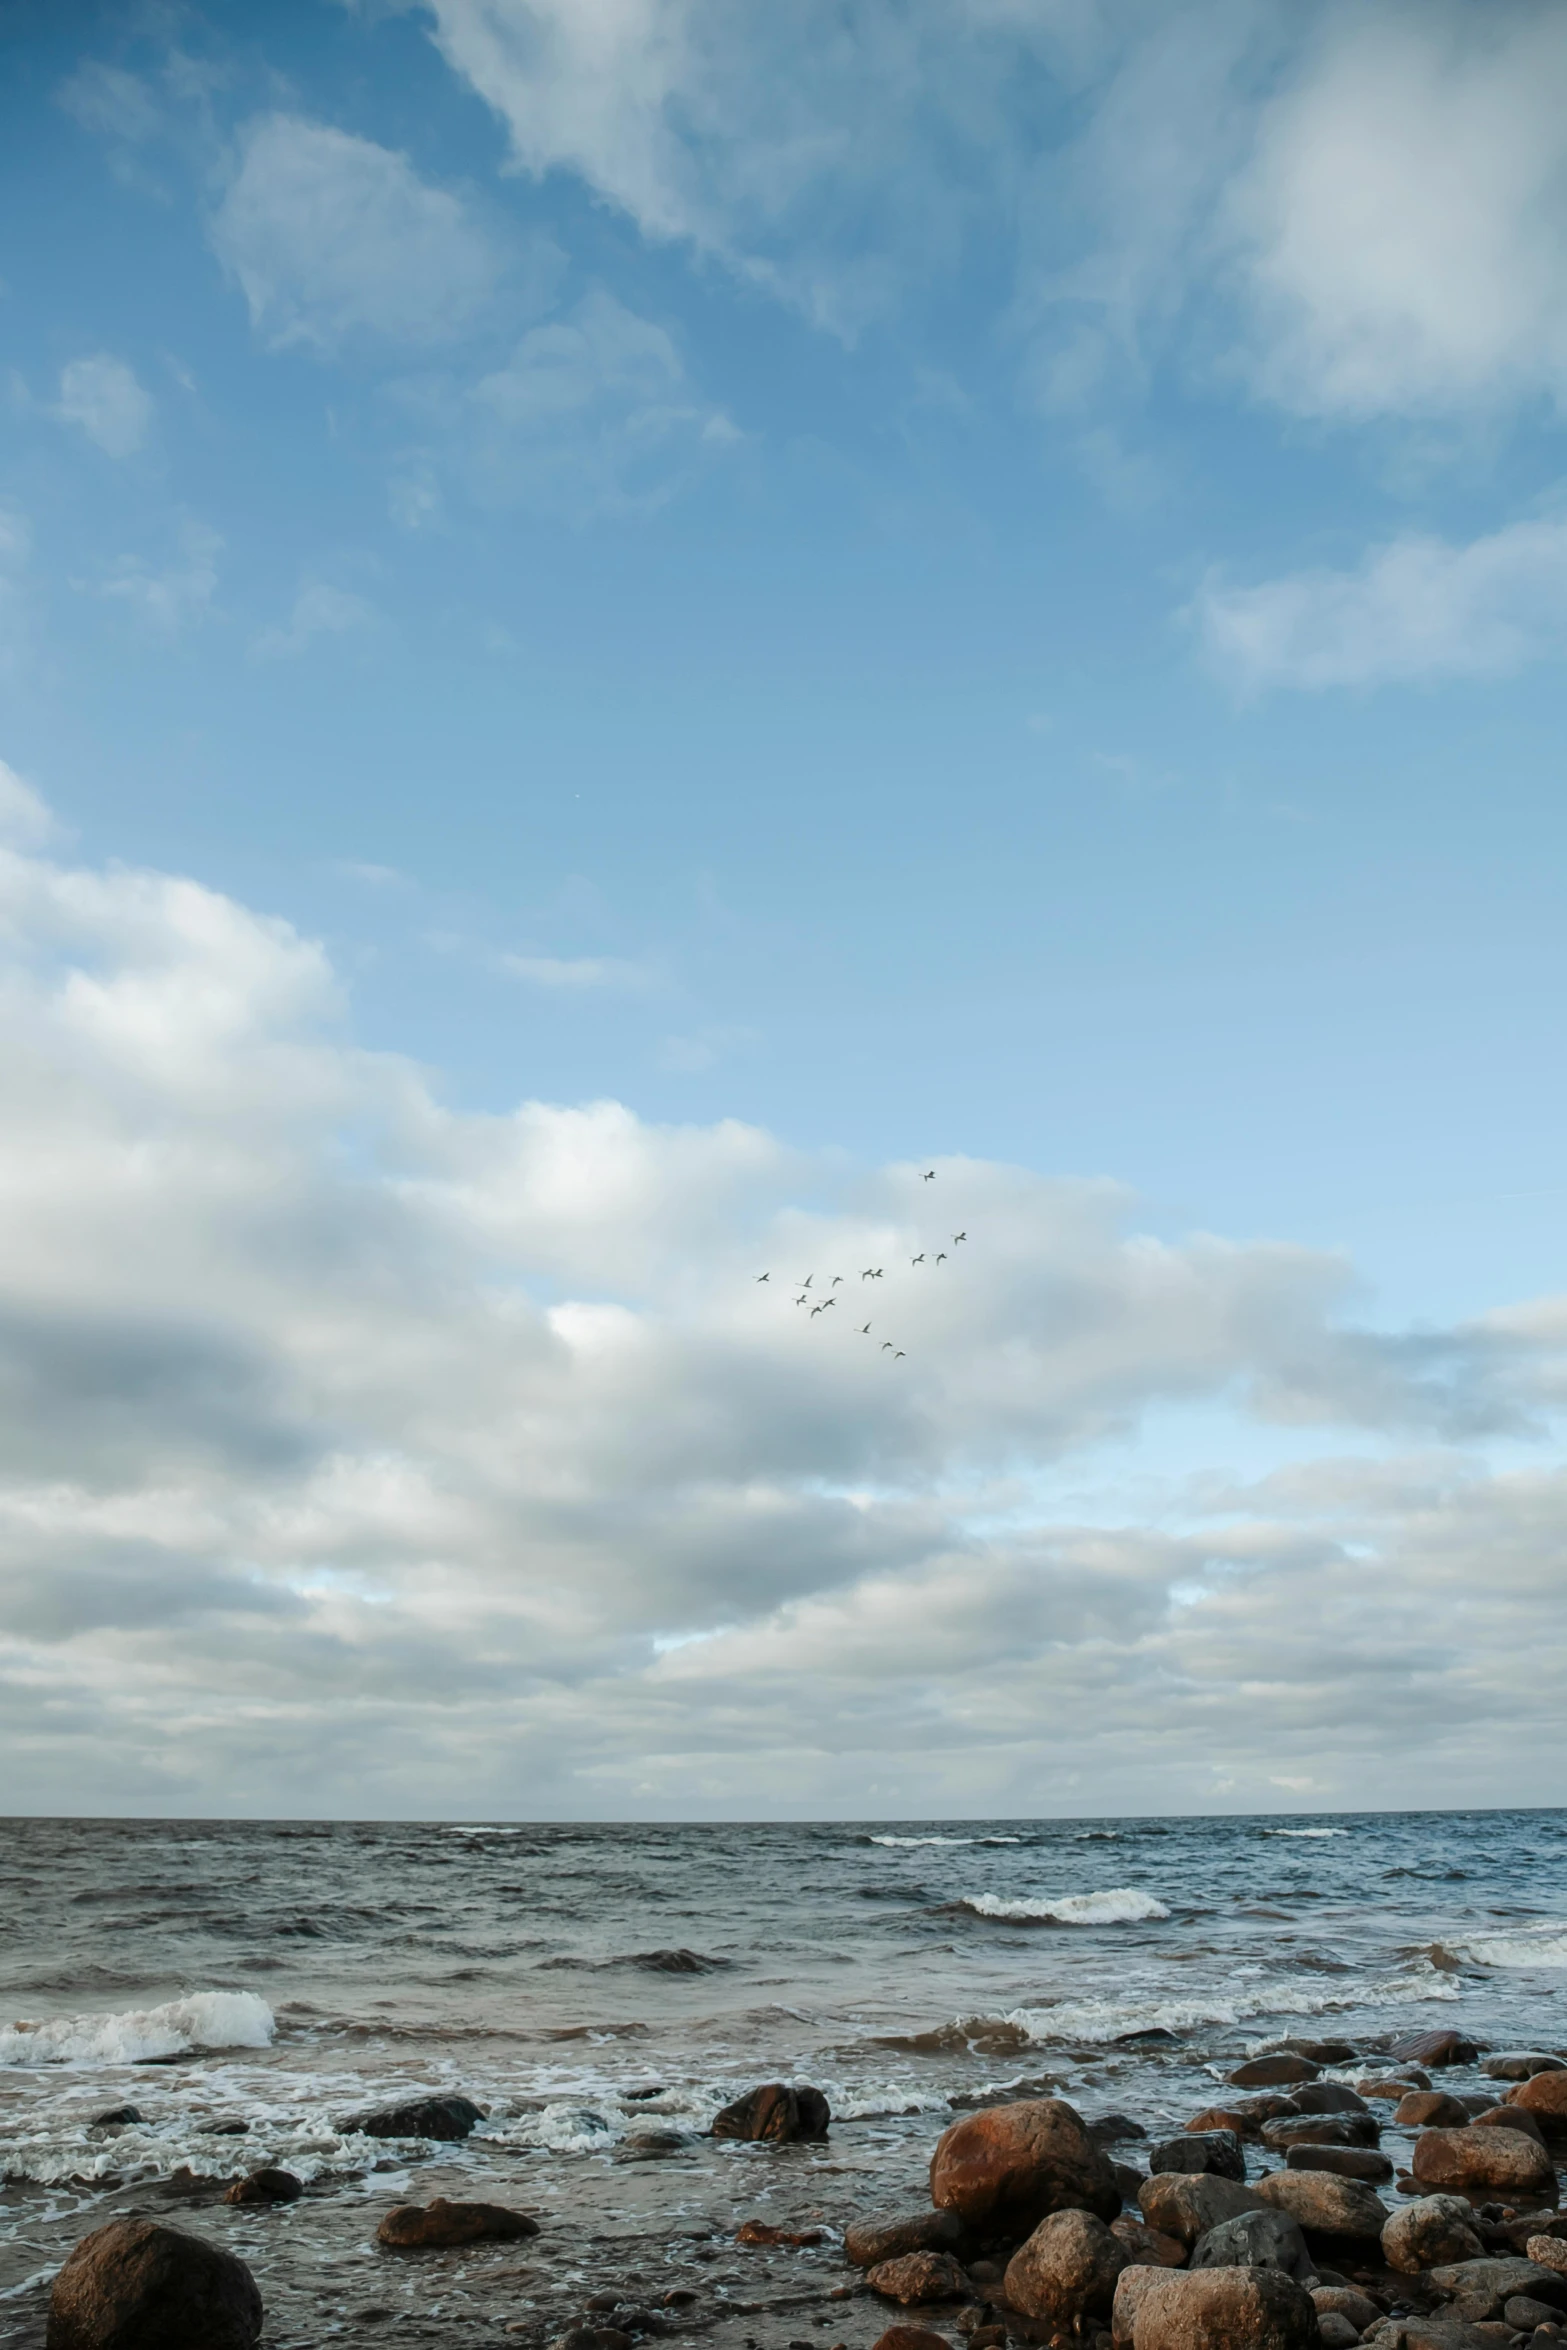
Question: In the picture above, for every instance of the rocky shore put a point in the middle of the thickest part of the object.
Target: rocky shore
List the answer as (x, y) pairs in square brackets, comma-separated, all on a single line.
[(1277, 2218)]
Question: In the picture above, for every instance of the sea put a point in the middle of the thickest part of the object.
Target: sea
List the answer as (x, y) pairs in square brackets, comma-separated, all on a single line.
[(590, 1985)]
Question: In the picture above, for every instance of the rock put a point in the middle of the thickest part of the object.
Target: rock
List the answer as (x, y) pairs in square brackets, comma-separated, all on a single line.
[(911, 2338), (1508, 2117), (883, 2236), (592, 2338), (137, 2286), (118, 2117), (1521, 2066), (1410, 2078), (775, 2111), (1145, 2246), (1320, 2129), (1476, 2289), (1430, 2233), (1114, 2129), (1490, 2161), (1430, 2333), (1129, 2180), (1324, 2205), (1186, 2204), (1067, 2270), (1214, 2309), (1216, 2151), (1545, 2096), (1430, 2109), (1326, 2051), (1328, 2097), (447, 2118), (1256, 2239), (1345, 2162), (267, 2185), (1272, 2072), (1548, 2252), (762, 2231), (1242, 2121), (918, 2276), (1435, 2049), (1344, 2301), (1336, 2332), (435, 2226), (1007, 2167), (1524, 2314)]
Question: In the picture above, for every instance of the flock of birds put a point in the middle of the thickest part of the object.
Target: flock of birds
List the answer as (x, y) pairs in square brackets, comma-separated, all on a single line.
[(823, 1301)]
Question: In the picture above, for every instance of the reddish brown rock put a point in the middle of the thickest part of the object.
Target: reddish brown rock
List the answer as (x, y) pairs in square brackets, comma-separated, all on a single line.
[(1392, 2087), (1545, 2096), (1344, 2301), (137, 2286), (918, 2276), (1242, 2121), (1066, 2271), (1521, 2065), (266, 2186), (1324, 2205), (1430, 2233), (1214, 2309), (1273, 2072), (884, 2236), (1430, 2109), (436, 2226), (1145, 2246), (1548, 2252), (761, 2231), (1490, 2162), (911, 2338), (774, 2111), (1509, 2117), (1007, 2167), (1186, 2204), (1435, 2049)]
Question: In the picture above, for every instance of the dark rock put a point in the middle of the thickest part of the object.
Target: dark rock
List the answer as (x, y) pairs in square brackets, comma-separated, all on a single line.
[(1129, 2180), (1326, 2051), (137, 2286), (885, 2236), (650, 2145), (675, 1962), (1430, 2233), (762, 2231), (1114, 2129), (1320, 2129), (1324, 2205), (1327, 2097), (1431, 2333), (1067, 2270), (267, 2185), (438, 2225), (1214, 2309), (447, 2118), (776, 2112), (1345, 2301), (1345, 2162), (1186, 2204), (118, 2117), (1522, 2066), (1434, 2049), (1476, 2289), (228, 2129), (1489, 2161), (1335, 2332), (918, 2276), (1272, 2072), (1217, 2152), (592, 2338), (1524, 2314), (1256, 2239), (1430, 2109), (1145, 2246), (1007, 2167), (911, 2338)]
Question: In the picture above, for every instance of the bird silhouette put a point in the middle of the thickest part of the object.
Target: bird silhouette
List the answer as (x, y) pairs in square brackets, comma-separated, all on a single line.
[(861, 1329), (815, 1310), (941, 1256), (837, 1277), (809, 1278), (876, 1276), (957, 1236), (764, 1276), (898, 1357), (867, 1272), (886, 1346), (919, 1260), (802, 1299), (929, 1177)]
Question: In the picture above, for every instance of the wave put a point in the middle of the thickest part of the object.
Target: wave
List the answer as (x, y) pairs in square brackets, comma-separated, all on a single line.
[(139, 2035), (909, 1842), (1101, 2020), (1528, 1946), (1097, 1836), (1306, 1831), (1123, 1905)]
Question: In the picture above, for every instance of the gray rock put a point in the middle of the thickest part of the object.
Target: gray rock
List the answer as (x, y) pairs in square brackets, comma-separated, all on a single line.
[(1345, 2162), (1218, 2152), (1523, 2314), (1320, 2129), (1430, 2231), (1327, 2097), (1324, 2205), (887, 2236), (1256, 2239), (1214, 2308), (444, 2118), (1336, 2332), (1186, 2204), (1521, 2066), (1476, 2289)]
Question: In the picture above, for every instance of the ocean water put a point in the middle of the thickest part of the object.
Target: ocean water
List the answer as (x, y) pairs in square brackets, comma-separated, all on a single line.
[(586, 1984)]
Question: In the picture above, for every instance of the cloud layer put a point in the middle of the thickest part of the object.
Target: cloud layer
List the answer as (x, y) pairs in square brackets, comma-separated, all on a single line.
[(361, 1454)]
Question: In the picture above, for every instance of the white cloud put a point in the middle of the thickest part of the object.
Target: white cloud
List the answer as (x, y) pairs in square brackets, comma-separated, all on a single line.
[(1413, 611), (319, 610), (179, 594), (333, 237), (102, 395), (25, 819), (398, 1449), (573, 974)]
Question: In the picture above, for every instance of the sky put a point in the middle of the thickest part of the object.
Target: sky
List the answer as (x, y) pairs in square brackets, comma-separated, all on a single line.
[(648, 642)]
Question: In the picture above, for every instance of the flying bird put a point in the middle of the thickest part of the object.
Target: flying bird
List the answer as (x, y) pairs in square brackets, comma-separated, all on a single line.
[(764, 1276), (957, 1236), (802, 1299), (919, 1260), (867, 1272), (876, 1276), (929, 1176), (941, 1256), (886, 1346), (809, 1278), (837, 1277), (815, 1310), (861, 1329), (898, 1357)]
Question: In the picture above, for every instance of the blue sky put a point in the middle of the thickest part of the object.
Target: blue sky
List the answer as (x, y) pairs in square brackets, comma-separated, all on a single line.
[(971, 583)]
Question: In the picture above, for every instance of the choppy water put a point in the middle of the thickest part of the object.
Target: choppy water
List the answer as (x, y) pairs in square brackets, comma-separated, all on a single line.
[(294, 1972)]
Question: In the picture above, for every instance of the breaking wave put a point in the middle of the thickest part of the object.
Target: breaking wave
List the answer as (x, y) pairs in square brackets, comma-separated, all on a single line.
[(1097, 2020), (1123, 1905), (909, 1842), (138, 2035), (1528, 1946), (1305, 1831)]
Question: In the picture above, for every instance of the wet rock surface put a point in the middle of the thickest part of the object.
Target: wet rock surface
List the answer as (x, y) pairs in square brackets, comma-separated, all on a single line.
[(439, 2225), (137, 2286), (1066, 2272), (445, 2119), (774, 2112), (1007, 2167)]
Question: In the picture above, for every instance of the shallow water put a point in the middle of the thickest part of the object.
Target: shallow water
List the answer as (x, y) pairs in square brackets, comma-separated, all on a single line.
[(587, 1983)]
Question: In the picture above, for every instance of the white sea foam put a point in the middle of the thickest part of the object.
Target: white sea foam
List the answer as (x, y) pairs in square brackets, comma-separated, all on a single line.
[(1123, 1905), (1098, 2020), (203, 2019), (1305, 1831), (1525, 1946), (884, 2097), (910, 1841)]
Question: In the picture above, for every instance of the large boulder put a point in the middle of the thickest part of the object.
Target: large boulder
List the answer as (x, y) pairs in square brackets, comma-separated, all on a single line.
[(1328, 2097), (1507, 2117), (1434, 2049), (1324, 2205), (437, 2226), (1256, 2239), (1549, 2252), (1007, 2167), (1272, 2072), (137, 2286), (1545, 2096), (915, 2277), (1216, 2151), (1521, 2065), (1487, 2162), (1067, 2270), (1430, 2109), (906, 2337), (1476, 2289), (775, 2111), (1430, 2233), (446, 2118), (1213, 2309), (1186, 2204), (886, 2236)]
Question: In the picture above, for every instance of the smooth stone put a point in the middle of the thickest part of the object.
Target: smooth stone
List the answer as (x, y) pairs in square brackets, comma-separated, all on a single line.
[(134, 2285), (1066, 2271), (1114, 2129), (266, 2186), (1328, 2097), (437, 2225), (911, 2338), (1521, 2065), (1147, 2247), (1213, 2309), (1336, 2332), (1492, 2161), (1509, 2117), (1345, 2162), (1476, 2289), (1435, 2049), (1523, 2314), (1545, 2096), (1430, 2109), (118, 2117), (445, 2118), (1430, 2233), (1186, 2204), (1320, 2129), (1218, 2152), (1256, 2239), (1273, 2072), (1344, 2301), (881, 2236), (775, 2112), (1240, 2120), (1324, 2205), (1007, 2167), (919, 2276)]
